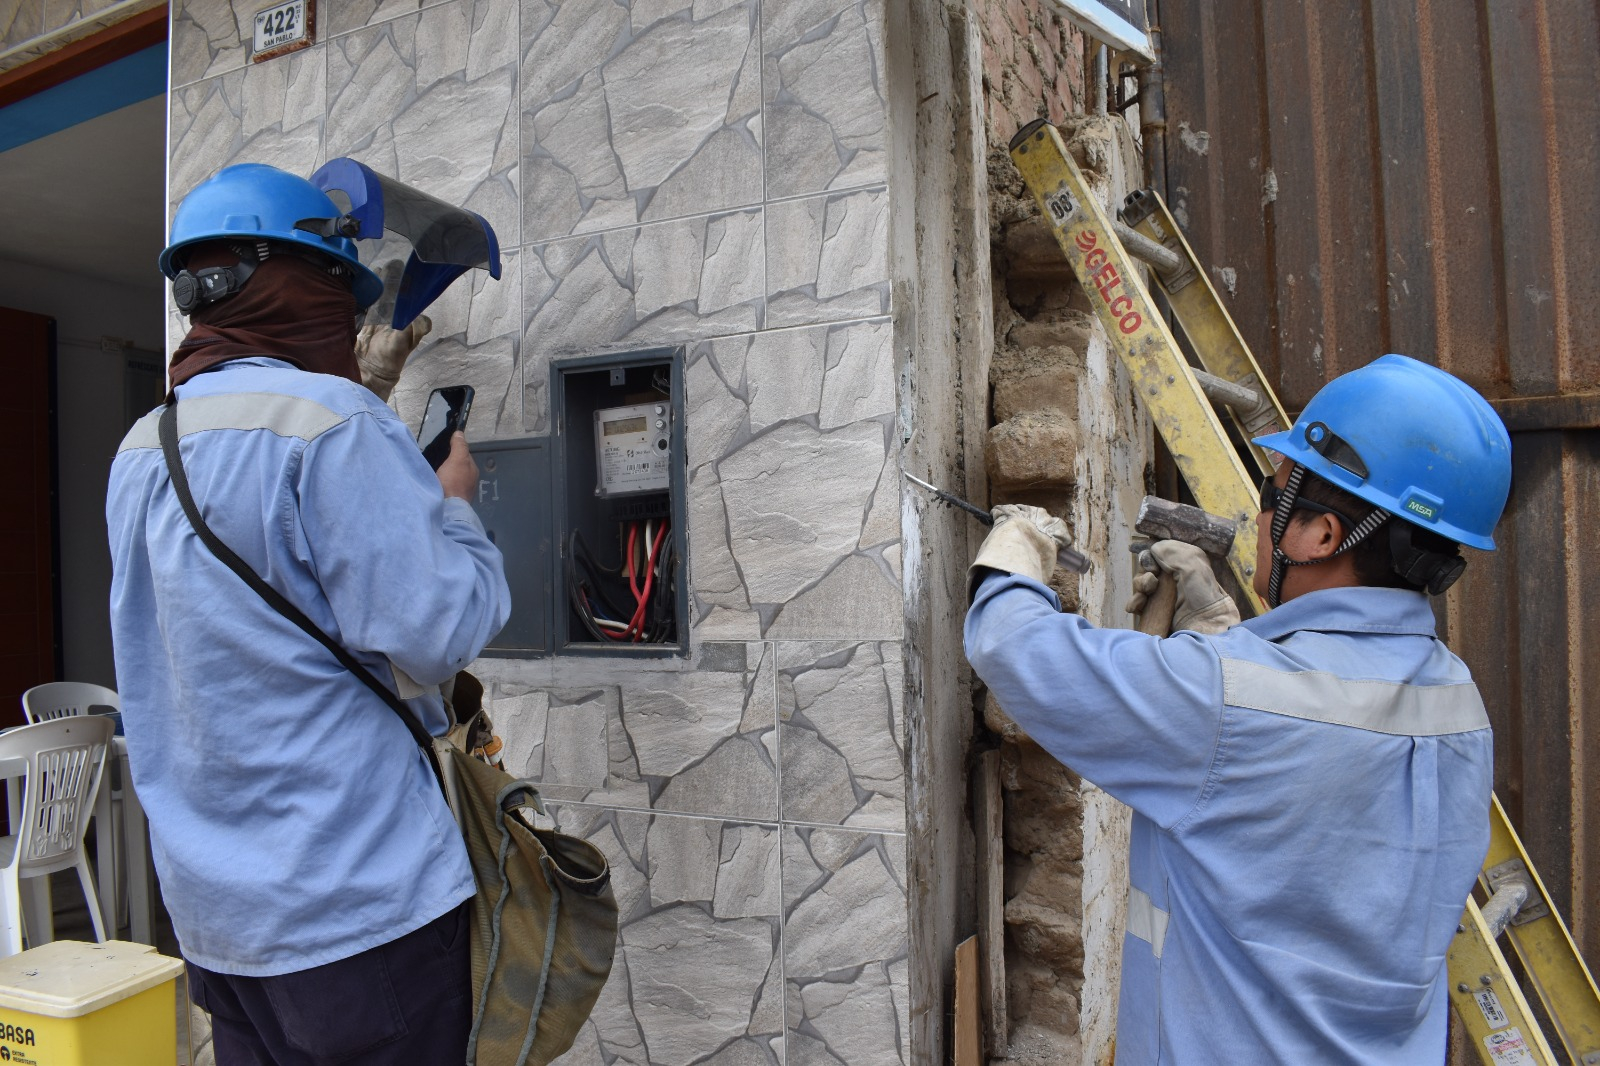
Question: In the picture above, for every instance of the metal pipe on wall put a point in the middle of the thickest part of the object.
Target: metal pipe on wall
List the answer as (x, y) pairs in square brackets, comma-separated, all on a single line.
[(1153, 109), (1102, 75)]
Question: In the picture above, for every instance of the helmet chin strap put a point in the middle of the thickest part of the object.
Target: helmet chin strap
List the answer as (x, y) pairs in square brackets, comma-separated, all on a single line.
[(1280, 525)]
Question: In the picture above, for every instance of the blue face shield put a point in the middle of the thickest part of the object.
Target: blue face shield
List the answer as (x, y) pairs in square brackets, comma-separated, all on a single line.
[(446, 241)]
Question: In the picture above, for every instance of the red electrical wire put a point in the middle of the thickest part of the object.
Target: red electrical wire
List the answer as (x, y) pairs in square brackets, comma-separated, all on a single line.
[(636, 624)]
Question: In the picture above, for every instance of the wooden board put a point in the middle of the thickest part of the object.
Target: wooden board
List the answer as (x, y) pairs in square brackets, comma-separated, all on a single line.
[(968, 1040), (989, 825)]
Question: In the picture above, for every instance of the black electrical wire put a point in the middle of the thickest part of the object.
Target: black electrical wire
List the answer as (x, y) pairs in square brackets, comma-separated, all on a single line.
[(578, 552), (575, 599), (659, 624), (586, 585), (575, 592), (663, 594)]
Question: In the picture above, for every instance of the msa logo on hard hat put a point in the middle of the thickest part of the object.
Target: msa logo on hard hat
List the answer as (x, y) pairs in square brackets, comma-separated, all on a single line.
[(1422, 505)]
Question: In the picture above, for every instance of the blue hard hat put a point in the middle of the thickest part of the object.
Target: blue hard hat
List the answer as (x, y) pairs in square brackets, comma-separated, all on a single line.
[(1411, 439), (253, 201)]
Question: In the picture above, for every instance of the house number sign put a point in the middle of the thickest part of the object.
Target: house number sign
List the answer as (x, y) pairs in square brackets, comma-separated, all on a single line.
[(284, 28)]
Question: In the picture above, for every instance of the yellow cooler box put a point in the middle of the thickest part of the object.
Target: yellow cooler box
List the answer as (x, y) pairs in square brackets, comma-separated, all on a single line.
[(68, 1003)]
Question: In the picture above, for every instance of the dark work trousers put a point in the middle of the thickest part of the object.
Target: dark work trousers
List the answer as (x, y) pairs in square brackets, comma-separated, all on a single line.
[(404, 1003)]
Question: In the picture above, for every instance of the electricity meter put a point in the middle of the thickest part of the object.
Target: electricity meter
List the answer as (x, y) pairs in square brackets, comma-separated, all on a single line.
[(633, 449)]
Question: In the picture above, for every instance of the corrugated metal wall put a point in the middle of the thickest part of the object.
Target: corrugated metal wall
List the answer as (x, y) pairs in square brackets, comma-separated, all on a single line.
[(1367, 177)]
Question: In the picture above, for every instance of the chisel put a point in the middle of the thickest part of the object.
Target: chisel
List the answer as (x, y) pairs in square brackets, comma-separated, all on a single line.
[(1067, 558)]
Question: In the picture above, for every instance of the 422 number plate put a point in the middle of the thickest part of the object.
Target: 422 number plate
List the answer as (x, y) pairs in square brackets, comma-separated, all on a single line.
[(282, 28)]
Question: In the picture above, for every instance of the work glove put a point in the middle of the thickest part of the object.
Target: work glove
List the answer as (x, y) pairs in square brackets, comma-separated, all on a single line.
[(1024, 541), (1202, 605), (382, 352)]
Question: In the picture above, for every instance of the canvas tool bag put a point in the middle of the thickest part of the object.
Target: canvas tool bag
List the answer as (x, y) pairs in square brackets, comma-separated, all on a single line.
[(544, 919)]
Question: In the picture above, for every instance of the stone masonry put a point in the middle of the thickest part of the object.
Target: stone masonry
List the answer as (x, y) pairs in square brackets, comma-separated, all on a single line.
[(1066, 437)]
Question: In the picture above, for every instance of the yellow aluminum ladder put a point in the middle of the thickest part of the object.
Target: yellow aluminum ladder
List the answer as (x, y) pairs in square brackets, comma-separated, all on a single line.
[(1193, 409)]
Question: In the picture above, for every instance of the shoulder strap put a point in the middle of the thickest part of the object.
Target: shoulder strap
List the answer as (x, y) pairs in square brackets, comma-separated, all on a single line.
[(180, 484)]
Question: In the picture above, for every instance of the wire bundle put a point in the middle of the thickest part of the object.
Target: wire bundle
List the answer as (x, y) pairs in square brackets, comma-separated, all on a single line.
[(647, 562)]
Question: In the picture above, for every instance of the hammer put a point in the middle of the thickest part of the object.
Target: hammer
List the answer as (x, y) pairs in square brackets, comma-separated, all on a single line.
[(1164, 520)]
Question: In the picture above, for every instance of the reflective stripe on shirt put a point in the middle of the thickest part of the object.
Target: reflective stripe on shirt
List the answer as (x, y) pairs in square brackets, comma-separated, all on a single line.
[(1377, 706), (1146, 921), (287, 416)]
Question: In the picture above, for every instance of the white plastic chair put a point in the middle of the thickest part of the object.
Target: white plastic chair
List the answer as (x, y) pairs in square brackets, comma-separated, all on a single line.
[(63, 699), (65, 758)]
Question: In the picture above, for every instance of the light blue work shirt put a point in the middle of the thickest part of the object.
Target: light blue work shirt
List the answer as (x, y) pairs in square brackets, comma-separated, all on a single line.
[(1311, 805), (293, 819)]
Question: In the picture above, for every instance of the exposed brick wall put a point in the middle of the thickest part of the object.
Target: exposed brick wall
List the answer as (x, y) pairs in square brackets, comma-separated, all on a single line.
[(1032, 65)]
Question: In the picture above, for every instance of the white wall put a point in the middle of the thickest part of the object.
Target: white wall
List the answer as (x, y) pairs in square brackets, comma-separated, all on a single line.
[(89, 425)]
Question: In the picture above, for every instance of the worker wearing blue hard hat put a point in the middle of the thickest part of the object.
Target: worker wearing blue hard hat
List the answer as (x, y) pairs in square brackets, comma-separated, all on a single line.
[(249, 203), (316, 880), (1311, 787)]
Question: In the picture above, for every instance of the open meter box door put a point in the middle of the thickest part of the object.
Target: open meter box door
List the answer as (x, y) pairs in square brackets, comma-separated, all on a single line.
[(446, 241)]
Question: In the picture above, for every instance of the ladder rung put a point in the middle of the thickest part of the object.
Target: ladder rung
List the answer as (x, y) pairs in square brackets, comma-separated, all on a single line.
[(1503, 906), (1221, 390), (1164, 259)]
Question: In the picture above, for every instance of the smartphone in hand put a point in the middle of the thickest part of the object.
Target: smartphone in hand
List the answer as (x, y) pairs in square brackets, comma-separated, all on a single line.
[(446, 413)]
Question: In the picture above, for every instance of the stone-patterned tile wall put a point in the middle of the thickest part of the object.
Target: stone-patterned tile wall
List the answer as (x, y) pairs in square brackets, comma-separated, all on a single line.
[(710, 173), (752, 803)]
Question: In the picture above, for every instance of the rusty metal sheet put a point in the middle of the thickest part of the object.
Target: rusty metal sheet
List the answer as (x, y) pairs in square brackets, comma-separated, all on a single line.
[(1462, 194), (1296, 226), (1570, 84), (1235, 181), (1527, 283), (1581, 470), (1540, 631), (1399, 56)]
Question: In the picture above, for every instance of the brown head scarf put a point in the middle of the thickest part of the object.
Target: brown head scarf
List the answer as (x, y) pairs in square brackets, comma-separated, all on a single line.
[(289, 309)]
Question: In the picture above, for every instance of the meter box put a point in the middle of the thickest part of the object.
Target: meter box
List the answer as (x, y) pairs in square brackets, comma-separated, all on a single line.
[(633, 449), (619, 550)]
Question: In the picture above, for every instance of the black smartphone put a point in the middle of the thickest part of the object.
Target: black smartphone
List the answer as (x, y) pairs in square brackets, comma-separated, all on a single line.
[(446, 413)]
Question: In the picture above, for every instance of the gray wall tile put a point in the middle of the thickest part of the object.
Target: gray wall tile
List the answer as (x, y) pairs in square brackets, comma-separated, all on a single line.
[(787, 528), (845, 947), (268, 113), (823, 95), (21, 20), (58, 13), (828, 258), (342, 16), (429, 99), (702, 741), (210, 37), (656, 284), (688, 980), (636, 112), (842, 734)]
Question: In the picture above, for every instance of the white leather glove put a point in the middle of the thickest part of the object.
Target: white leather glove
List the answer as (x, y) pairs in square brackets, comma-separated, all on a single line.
[(1024, 541), (1202, 604), (382, 352)]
